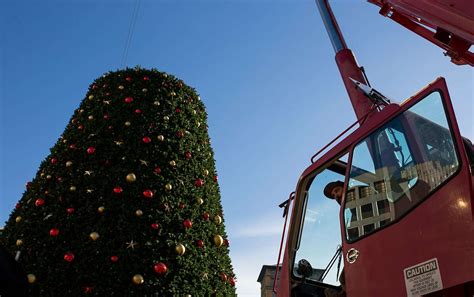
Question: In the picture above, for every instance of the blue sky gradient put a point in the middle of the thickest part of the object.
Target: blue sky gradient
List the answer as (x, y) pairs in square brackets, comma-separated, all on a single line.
[(264, 69)]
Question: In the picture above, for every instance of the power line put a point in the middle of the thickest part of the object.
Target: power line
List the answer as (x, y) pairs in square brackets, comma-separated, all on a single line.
[(131, 30)]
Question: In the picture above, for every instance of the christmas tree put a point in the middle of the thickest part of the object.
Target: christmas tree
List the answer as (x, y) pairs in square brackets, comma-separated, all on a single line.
[(127, 203)]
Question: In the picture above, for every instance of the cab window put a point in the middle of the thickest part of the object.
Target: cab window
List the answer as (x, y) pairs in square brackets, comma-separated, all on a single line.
[(398, 166), (318, 253)]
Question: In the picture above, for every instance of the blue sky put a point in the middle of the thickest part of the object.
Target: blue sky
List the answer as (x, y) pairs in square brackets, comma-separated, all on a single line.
[(264, 69)]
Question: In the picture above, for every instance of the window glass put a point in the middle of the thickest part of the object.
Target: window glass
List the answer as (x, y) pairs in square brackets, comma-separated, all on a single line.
[(398, 166), (320, 234)]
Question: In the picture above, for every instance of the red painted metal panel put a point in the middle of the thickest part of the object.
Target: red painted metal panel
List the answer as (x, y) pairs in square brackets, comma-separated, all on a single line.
[(455, 16), (441, 227)]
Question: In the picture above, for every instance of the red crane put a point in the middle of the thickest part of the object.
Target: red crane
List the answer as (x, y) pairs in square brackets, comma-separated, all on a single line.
[(399, 218)]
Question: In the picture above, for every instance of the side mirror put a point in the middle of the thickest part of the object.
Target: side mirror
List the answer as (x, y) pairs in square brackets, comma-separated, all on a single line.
[(304, 268)]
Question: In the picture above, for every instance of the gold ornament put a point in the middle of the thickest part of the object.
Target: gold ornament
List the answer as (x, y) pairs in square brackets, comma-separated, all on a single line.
[(173, 163), (72, 188), (218, 219), (18, 219), (64, 141), (160, 137), (218, 240), (121, 87), (94, 236), (198, 124), (90, 118), (138, 279), (101, 209), (166, 118), (180, 249), (19, 242), (168, 187), (206, 172), (200, 201), (199, 98), (31, 278), (144, 90), (157, 103), (131, 177), (81, 110), (48, 176), (194, 111), (127, 123), (173, 94), (68, 163), (91, 97), (138, 212), (42, 174)]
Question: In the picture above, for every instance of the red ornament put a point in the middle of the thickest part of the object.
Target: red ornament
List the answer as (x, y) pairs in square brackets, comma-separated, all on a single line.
[(187, 223), (118, 190), (199, 182), (105, 85), (91, 150), (148, 193), (70, 210), (223, 276), (114, 259), (226, 242), (146, 139), (59, 179), (200, 243), (180, 134), (54, 161), (72, 146), (232, 281), (182, 205), (18, 205), (157, 170), (88, 290), (94, 87), (106, 116), (138, 111), (111, 127), (128, 78), (177, 110), (160, 268), (39, 202), (54, 232), (146, 78), (80, 127), (205, 216), (107, 94), (128, 100), (187, 155), (155, 226), (69, 257), (28, 185), (215, 178)]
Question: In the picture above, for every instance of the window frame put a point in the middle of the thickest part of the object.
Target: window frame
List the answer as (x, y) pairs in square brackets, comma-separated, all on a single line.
[(404, 108)]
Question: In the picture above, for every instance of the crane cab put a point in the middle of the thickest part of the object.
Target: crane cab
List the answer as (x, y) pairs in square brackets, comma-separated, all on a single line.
[(404, 225)]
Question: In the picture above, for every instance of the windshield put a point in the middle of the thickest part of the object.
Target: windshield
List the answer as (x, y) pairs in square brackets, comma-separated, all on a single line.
[(397, 166)]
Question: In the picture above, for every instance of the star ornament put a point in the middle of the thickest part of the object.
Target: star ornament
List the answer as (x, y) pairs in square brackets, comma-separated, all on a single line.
[(131, 245), (88, 172), (89, 191), (107, 102), (143, 162), (119, 143)]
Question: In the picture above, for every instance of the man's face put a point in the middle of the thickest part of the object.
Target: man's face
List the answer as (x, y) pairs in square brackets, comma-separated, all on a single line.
[(336, 192)]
